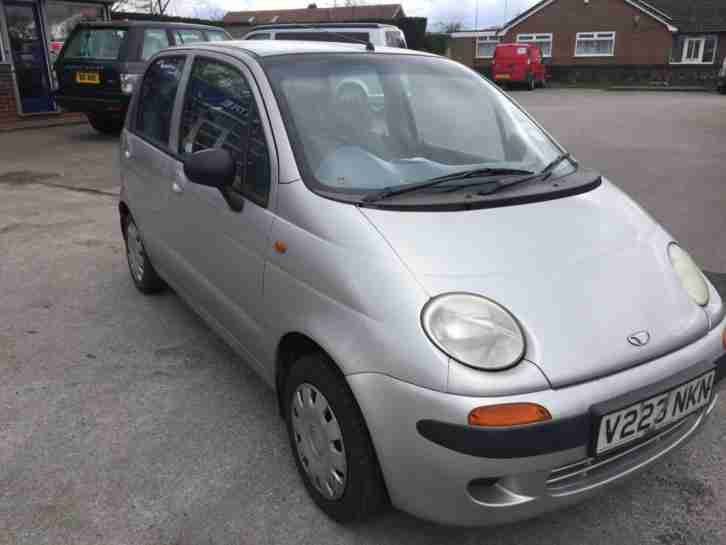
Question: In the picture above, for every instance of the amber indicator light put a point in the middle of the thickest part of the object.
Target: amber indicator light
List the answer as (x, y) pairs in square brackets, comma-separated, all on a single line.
[(508, 414)]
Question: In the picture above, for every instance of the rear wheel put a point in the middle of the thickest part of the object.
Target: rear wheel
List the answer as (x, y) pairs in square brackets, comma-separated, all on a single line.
[(331, 445), (106, 124)]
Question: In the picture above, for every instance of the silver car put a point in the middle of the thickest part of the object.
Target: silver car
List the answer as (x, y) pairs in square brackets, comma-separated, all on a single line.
[(457, 318)]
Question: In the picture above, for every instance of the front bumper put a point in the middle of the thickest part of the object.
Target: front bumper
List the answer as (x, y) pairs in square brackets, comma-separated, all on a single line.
[(115, 104), (493, 479)]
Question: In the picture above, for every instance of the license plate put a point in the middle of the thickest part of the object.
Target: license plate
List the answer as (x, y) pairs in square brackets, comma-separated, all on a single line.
[(503, 76), (93, 78), (645, 417)]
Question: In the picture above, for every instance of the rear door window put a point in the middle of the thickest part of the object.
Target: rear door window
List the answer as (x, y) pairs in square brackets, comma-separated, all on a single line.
[(220, 111), (155, 39), (260, 36), (188, 36), (156, 99), (96, 43)]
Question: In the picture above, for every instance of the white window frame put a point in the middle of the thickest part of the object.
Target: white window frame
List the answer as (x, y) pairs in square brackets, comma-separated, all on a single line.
[(536, 39), (701, 38), (593, 37), (486, 40)]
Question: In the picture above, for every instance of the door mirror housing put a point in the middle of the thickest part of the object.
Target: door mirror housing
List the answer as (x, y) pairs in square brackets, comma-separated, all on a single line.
[(212, 167), (216, 168)]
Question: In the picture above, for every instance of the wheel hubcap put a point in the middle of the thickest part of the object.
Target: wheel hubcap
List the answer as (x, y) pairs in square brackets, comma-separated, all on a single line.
[(135, 251), (319, 441)]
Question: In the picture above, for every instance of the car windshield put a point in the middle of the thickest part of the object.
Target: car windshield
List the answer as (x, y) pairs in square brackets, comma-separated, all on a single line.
[(97, 43), (363, 122)]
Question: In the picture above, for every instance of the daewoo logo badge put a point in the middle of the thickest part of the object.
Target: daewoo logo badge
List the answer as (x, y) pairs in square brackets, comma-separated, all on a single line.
[(639, 338)]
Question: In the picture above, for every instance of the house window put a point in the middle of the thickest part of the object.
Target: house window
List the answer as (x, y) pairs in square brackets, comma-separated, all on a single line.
[(595, 44), (543, 41), (485, 46), (694, 50)]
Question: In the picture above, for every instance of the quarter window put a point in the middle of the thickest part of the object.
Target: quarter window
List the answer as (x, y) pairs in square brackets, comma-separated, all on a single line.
[(155, 39), (220, 112), (394, 39), (595, 44), (216, 36), (156, 99), (543, 41), (485, 46), (188, 36)]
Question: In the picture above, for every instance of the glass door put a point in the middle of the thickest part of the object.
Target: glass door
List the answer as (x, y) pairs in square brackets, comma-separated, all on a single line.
[(30, 58), (693, 50)]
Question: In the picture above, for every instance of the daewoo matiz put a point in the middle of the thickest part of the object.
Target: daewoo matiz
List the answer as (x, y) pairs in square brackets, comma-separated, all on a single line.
[(455, 315)]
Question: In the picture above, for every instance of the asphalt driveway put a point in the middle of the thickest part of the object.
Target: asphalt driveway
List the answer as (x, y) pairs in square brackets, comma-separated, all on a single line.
[(125, 420)]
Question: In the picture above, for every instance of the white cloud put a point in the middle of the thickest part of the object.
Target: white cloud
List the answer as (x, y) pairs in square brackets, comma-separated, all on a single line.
[(490, 12)]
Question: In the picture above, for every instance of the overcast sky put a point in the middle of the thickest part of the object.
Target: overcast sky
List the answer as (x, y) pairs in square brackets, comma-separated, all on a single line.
[(491, 12)]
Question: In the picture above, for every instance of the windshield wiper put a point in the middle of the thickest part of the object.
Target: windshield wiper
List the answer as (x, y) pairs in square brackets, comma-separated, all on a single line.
[(498, 185), (475, 173)]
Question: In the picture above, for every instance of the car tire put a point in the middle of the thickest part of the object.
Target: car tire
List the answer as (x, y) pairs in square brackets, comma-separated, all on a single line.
[(145, 277), (106, 124), (329, 437), (722, 90)]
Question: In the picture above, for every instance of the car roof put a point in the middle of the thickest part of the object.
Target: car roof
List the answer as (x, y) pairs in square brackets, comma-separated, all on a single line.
[(269, 48), (134, 23), (319, 26)]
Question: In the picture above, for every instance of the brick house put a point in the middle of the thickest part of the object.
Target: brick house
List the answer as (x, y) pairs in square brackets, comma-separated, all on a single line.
[(613, 41), (31, 34), (239, 23)]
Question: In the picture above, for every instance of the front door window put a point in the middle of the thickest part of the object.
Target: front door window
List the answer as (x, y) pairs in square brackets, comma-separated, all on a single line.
[(29, 55)]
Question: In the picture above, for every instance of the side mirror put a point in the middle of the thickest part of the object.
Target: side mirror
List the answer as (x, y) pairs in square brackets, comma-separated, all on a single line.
[(216, 168), (212, 167)]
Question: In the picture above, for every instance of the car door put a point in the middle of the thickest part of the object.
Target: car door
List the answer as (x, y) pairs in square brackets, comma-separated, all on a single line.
[(147, 156), (225, 249)]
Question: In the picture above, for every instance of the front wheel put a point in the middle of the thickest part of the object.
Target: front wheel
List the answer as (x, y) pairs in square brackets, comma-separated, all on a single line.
[(331, 445), (106, 124), (143, 274)]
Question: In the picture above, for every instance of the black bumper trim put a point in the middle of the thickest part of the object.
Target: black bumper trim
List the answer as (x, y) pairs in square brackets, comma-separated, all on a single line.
[(514, 442), (92, 104), (549, 437)]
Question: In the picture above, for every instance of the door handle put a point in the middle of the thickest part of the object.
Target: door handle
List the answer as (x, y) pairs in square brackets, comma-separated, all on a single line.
[(176, 188), (127, 153)]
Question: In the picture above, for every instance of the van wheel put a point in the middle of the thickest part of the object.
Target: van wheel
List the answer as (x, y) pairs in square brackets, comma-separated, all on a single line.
[(332, 448), (106, 124), (143, 274)]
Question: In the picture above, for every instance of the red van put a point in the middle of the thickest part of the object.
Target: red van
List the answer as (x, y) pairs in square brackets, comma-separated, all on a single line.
[(519, 63)]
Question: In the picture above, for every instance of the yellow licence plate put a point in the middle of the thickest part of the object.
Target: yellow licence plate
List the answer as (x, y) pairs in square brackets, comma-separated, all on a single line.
[(88, 77), (502, 76)]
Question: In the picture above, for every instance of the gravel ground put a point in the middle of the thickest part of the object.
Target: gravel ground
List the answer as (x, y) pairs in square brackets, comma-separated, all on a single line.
[(124, 420)]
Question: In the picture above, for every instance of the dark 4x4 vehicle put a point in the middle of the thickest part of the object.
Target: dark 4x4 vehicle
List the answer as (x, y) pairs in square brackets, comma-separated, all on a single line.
[(101, 62)]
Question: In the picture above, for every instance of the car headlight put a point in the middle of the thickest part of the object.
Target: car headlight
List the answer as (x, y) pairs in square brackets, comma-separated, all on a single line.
[(474, 330), (128, 82), (690, 275)]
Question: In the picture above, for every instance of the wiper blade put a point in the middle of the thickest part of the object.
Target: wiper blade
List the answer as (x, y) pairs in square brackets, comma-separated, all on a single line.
[(546, 171), (479, 172), (543, 174)]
